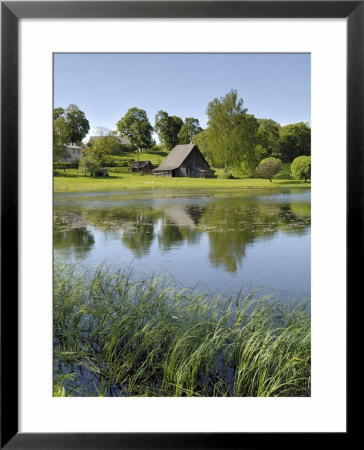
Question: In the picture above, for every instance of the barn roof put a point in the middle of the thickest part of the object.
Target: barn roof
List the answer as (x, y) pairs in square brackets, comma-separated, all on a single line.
[(176, 157), (140, 164)]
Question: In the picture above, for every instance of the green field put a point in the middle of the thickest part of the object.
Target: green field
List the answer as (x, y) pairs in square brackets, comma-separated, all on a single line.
[(121, 178)]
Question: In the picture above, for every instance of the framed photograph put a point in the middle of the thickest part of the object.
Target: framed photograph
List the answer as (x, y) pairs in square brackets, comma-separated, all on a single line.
[(161, 283)]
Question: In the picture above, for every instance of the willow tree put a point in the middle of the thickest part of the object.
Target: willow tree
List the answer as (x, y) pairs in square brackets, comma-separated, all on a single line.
[(232, 132)]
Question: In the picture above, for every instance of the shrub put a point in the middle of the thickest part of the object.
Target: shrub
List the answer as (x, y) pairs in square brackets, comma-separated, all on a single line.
[(106, 145), (301, 167), (269, 167), (89, 164)]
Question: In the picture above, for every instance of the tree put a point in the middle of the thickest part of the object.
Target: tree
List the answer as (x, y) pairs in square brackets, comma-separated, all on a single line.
[(190, 128), (301, 167), (105, 145), (135, 125), (60, 137), (269, 167), (167, 127), (89, 164), (232, 132), (268, 136), (77, 126), (57, 112), (202, 141), (294, 141)]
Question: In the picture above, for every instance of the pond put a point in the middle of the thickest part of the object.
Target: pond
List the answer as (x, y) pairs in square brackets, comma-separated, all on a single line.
[(215, 240)]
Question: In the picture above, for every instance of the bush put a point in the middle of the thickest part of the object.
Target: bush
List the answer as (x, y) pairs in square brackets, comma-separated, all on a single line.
[(269, 167), (301, 167), (89, 164), (106, 145)]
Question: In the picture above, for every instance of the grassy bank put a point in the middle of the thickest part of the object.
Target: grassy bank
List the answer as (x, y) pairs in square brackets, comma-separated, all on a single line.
[(115, 334), (122, 179)]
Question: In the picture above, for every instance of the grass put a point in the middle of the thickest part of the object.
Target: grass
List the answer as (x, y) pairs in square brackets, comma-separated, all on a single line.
[(117, 335), (155, 157), (122, 178)]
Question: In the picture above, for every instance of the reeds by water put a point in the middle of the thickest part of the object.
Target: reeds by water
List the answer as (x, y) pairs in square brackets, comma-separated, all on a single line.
[(115, 334)]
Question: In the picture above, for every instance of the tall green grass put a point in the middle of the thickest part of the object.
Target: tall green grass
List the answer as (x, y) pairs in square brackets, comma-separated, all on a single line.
[(115, 334)]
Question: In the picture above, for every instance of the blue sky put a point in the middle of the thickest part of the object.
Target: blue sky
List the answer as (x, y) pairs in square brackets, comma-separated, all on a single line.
[(105, 86)]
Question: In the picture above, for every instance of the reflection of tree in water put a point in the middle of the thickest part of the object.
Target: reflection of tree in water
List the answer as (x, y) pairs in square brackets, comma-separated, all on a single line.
[(70, 233), (296, 218), (232, 226), (171, 235), (140, 236), (136, 225), (80, 241), (230, 223), (179, 226), (226, 249), (121, 218)]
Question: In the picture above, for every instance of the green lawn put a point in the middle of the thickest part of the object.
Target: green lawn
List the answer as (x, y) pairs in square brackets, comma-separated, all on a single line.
[(122, 178)]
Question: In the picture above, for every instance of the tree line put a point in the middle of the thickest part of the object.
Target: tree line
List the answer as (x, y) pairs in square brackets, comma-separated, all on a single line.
[(232, 139)]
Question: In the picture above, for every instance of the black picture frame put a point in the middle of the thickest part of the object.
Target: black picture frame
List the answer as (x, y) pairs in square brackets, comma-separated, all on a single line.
[(11, 12)]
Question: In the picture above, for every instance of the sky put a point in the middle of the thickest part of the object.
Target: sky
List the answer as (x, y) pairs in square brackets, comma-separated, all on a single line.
[(104, 86)]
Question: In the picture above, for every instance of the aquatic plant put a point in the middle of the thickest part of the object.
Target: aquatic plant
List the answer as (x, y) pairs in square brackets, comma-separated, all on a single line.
[(117, 334)]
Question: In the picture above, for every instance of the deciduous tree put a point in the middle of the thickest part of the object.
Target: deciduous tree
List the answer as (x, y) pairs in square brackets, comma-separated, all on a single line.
[(60, 137), (301, 167), (77, 126), (202, 141), (294, 141), (167, 127), (190, 128), (268, 136), (232, 132), (269, 167), (105, 145), (135, 125)]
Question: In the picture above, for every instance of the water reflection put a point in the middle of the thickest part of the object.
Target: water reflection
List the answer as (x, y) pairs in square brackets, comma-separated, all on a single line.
[(138, 236), (229, 224), (79, 241)]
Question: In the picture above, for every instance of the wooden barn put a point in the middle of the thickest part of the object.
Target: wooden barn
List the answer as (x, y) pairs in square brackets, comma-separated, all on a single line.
[(142, 166), (184, 161)]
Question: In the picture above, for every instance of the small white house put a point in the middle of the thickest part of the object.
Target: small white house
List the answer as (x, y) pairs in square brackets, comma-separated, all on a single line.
[(74, 153)]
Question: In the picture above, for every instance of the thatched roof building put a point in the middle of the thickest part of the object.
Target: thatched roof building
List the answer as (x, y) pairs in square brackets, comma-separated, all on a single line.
[(185, 161)]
